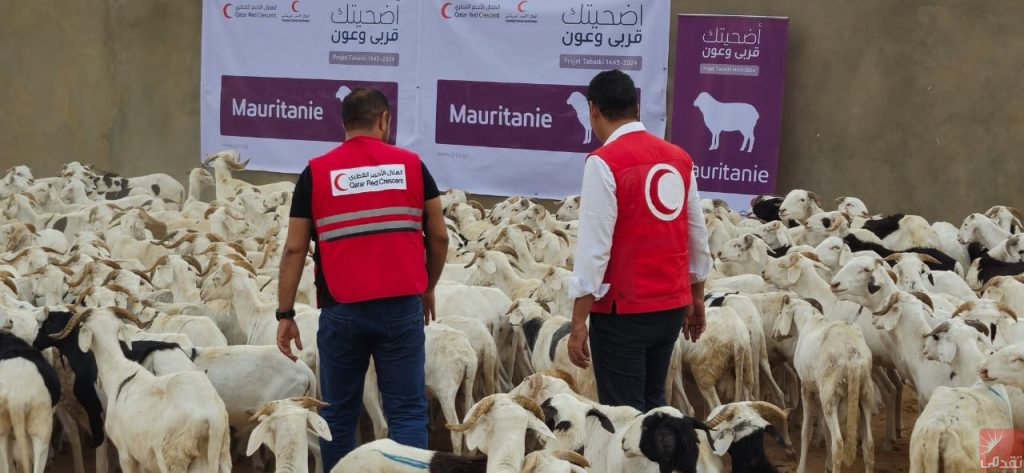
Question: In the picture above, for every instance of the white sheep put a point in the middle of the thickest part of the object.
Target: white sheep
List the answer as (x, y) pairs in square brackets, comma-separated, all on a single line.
[(283, 427), (721, 116), (496, 426), (945, 436)]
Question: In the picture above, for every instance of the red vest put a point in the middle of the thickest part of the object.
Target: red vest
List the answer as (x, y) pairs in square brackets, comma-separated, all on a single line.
[(368, 214), (648, 269)]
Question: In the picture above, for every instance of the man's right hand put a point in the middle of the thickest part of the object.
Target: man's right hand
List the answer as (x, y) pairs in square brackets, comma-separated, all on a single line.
[(288, 330)]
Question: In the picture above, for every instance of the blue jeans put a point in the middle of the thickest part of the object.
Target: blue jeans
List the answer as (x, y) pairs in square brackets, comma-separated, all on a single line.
[(390, 330)]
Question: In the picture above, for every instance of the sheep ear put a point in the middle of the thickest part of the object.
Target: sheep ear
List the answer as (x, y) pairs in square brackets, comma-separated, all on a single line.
[(783, 325), (124, 333), (606, 423), (889, 320), (84, 338), (318, 426), (946, 352), (793, 274), (259, 436), (723, 440), (476, 436)]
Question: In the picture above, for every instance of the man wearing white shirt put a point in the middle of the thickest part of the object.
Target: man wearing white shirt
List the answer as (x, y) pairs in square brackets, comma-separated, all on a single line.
[(642, 254)]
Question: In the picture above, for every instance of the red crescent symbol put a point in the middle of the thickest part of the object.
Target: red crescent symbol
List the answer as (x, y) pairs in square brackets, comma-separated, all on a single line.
[(520, 6), (653, 191), (296, 2), (444, 8), (225, 10), (337, 181)]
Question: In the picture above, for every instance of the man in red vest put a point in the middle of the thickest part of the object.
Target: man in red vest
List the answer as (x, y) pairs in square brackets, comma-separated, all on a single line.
[(367, 204), (642, 253)]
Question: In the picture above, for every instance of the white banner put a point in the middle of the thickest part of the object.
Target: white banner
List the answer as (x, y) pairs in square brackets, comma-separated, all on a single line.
[(490, 94)]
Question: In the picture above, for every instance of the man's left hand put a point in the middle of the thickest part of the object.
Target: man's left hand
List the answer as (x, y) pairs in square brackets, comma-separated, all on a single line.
[(428, 307)]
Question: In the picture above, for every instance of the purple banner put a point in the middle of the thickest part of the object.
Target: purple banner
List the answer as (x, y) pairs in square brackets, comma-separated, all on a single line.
[(291, 109), (727, 105), (543, 117)]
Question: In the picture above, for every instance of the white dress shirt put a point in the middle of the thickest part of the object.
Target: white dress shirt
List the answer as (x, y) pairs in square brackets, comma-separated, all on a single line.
[(598, 211)]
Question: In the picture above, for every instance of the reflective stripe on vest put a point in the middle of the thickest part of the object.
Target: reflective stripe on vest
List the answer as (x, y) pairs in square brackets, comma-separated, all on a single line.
[(371, 228)]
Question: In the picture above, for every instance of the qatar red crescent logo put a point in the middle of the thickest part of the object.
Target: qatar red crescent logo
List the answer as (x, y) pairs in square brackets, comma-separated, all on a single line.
[(664, 192), (225, 10), (521, 6), (444, 10), (294, 8), (338, 180)]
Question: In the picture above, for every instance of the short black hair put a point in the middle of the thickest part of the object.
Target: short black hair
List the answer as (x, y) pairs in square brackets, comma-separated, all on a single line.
[(614, 94), (361, 108)]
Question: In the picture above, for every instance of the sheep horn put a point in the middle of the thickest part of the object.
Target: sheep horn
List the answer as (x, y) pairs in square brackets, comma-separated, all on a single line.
[(266, 409), (1007, 310), (888, 306), (480, 207), (472, 261), (726, 414), (530, 405), (10, 284), (928, 258), (482, 408), (571, 457), (943, 327), (980, 327), (159, 262), (127, 315), (76, 319), (562, 375), (893, 257), (512, 308), (226, 267), (966, 306), (771, 413), (309, 403), (86, 272), (208, 160)]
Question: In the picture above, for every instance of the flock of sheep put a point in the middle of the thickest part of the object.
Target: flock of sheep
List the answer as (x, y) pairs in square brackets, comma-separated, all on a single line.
[(138, 320)]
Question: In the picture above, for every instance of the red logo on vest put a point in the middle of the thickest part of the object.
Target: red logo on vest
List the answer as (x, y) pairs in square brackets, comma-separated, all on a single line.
[(664, 192)]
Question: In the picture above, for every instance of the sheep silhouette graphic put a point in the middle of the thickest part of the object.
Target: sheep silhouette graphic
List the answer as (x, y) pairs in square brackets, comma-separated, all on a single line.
[(579, 103), (720, 116), (343, 92)]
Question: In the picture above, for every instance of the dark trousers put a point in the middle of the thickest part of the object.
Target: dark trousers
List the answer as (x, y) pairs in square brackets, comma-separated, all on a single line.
[(631, 355), (391, 330)]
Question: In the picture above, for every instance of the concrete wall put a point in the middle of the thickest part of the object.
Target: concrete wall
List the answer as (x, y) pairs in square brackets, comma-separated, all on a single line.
[(913, 105)]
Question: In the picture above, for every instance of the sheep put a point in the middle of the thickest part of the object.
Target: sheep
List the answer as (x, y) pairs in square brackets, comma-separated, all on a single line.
[(1010, 250), (27, 399), (1004, 366), (480, 338), (853, 208), (834, 364), (725, 344), (945, 436), (914, 275), (283, 426), (751, 316), (738, 429), (672, 441), (188, 425), (822, 226), (1008, 290), (1000, 320), (722, 116), (977, 228), (496, 426), (766, 207), (568, 209), (451, 368), (799, 205), (986, 268), (581, 106), (255, 315), (961, 344), (495, 269), (1008, 218)]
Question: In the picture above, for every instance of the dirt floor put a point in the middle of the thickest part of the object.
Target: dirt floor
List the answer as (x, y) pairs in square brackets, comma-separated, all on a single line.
[(885, 462)]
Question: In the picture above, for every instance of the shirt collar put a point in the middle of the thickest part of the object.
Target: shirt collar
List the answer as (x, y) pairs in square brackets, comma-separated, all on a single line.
[(622, 130)]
